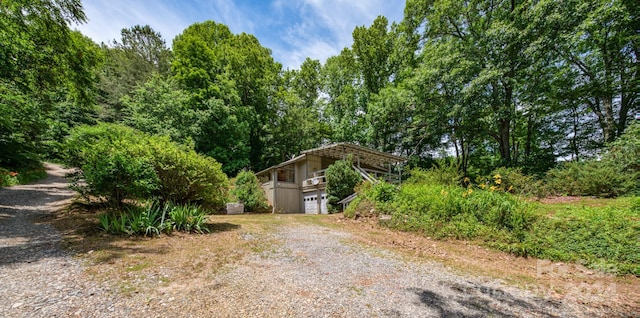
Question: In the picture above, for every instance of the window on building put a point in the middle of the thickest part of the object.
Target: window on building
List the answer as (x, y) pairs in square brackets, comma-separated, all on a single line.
[(287, 174)]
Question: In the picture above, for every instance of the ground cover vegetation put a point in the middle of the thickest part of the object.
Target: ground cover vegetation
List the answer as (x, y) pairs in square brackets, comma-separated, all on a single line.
[(515, 98), (602, 236)]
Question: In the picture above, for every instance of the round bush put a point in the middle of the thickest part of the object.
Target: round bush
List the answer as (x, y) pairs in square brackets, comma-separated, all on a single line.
[(119, 163)]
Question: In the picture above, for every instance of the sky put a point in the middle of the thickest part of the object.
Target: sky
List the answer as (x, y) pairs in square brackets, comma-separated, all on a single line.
[(292, 29)]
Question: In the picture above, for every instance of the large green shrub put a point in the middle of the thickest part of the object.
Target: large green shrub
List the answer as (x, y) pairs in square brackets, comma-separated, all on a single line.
[(249, 191), (591, 178), (117, 163), (186, 176), (372, 199), (341, 181), (615, 174), (512, 180)]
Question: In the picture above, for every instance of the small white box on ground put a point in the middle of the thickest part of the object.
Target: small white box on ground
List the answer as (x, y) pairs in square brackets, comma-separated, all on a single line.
[(235, 208)]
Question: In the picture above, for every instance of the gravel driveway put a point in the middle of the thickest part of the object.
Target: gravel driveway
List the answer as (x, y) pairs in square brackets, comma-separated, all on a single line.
[(318, 273), (312, 271)]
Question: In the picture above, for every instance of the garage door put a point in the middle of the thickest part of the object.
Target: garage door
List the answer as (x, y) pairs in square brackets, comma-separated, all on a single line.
[(311, 203)]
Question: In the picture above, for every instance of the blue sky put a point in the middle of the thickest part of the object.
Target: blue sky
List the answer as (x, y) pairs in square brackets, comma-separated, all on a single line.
[(292, 29)]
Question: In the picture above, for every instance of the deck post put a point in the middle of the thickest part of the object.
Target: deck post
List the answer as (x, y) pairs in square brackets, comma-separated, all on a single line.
[(319, 196), (275, 185)]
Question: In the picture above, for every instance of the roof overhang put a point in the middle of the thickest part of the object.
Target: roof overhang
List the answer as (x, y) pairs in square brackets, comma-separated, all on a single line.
[(365, 155), (342, 150), (288, 162)]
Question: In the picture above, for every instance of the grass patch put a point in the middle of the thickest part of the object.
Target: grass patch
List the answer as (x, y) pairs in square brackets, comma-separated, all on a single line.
[(602, 234), (137, 267), (599, 233)]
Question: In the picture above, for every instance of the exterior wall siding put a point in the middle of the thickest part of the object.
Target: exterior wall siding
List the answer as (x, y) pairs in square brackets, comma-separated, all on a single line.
[(288, 198)]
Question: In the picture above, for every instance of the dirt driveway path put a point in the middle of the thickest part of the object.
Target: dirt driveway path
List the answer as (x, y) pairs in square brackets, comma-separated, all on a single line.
[(317, 272), (38, 278), (297, 269)]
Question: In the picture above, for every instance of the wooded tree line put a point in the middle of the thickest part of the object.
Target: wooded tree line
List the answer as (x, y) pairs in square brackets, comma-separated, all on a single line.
[(489, 82)]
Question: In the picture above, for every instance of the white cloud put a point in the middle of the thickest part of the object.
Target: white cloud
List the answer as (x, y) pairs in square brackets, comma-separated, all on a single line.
[(326, 26)]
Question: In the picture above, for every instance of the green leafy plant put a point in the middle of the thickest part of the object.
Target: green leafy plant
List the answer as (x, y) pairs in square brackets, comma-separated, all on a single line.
[(591, 178), (249, 191), (443, 173), (512, 180), (601, 237), (115, 223), (341, 181), (24, 175), (188, 218), (383, 192), (154, 218), (8, 178), (615, 174), (119, 163), (443, 210)]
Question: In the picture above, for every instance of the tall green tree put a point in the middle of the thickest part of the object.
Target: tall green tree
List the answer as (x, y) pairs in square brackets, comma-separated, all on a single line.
[(491, 43), (160, 107), (373, 48), (296, 125), (140, 53), (234, 77), (596, 44), (344, 98), (40, 59)]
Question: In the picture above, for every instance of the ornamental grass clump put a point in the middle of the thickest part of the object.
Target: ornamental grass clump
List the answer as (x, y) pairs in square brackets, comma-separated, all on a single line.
[(154, 218)]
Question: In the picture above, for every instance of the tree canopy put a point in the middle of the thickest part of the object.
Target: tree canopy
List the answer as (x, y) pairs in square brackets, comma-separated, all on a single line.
[(491, 83)]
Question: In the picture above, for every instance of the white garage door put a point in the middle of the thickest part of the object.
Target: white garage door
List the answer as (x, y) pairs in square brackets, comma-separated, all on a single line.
[(311, 203)]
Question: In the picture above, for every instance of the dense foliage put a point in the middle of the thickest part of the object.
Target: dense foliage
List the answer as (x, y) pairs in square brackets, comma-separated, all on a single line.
[(616, 173), (502, 90), (248, 191), (602, 237), (118, 163), (341, 181), (515, 84), (45, 70)]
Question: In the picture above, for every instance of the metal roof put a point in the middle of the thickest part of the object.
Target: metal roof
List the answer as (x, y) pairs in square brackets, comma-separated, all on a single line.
[(341, 150), (366, 155), (290, 161)]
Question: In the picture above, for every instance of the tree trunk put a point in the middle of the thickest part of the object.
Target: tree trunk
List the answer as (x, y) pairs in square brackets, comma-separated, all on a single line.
[(528, 141), (504, 126), (609, 126)]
